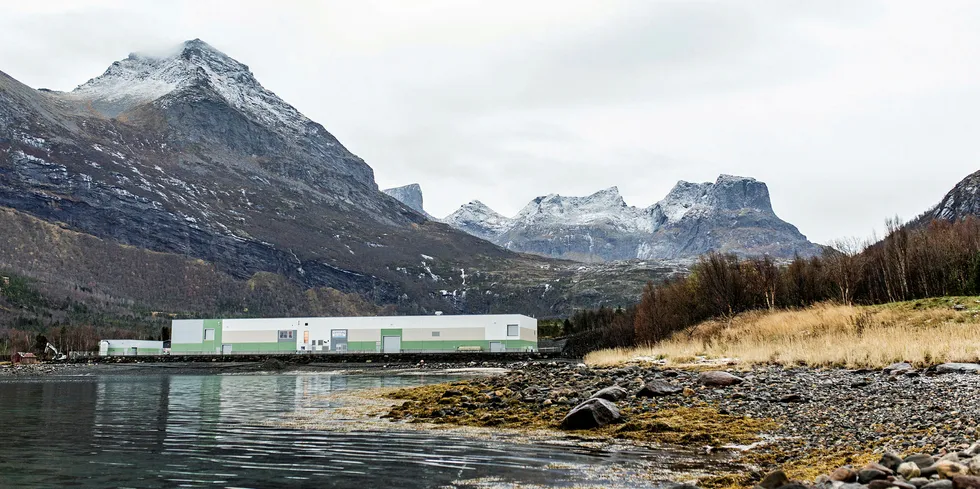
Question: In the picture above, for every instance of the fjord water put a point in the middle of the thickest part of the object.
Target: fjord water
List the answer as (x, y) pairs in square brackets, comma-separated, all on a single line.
[(163, 430)]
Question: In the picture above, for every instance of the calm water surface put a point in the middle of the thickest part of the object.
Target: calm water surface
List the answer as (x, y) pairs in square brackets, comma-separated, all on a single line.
[(159, 430)]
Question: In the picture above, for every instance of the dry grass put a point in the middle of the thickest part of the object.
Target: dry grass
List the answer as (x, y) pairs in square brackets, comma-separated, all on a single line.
[(922, 332)]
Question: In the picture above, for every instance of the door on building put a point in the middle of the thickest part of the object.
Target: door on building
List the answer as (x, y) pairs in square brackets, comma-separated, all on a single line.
[(391, 344), (226, 349), (496, 346)]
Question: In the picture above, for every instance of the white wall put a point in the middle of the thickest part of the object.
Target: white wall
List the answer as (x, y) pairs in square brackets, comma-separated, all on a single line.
[(134, 343), (187, 331), (495, 326)]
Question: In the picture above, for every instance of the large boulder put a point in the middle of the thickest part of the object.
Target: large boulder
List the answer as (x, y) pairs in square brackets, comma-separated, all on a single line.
[(921, 459), (659, 388), (593, 413), (890, 460), (867, 475), (960, 368), (908, 470), (612, 393), (898, 368), (947, 469), (966, 482), (774, 480), (844, 474), (718, 378)]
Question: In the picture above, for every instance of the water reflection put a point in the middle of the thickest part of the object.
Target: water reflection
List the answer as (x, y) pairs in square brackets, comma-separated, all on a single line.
[(214, 431)]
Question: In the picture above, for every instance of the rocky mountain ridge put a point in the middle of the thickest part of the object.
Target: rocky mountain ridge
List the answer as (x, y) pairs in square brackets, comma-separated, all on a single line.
[(733, 214), (188, 154), (410, 195)]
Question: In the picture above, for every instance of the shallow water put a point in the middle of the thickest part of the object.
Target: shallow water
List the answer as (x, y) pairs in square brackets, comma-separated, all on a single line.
[(160, 430)]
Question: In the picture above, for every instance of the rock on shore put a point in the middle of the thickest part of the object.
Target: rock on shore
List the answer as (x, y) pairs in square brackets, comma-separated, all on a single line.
[(806, 421)]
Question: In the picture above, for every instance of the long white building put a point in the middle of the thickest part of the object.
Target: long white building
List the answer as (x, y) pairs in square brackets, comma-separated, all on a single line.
[(380, 334)]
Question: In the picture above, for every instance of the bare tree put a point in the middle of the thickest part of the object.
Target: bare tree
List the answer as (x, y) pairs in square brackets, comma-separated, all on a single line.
[(845, 264)]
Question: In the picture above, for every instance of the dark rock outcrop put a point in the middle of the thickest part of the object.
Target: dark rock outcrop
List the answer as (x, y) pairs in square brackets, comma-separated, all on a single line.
[(593, 413)]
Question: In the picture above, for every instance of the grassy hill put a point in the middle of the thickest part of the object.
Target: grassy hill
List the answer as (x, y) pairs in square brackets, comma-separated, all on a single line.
[(923, 332)]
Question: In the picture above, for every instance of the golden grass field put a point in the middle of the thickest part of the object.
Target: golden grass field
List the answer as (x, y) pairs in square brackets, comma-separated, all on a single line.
[(923, 332)]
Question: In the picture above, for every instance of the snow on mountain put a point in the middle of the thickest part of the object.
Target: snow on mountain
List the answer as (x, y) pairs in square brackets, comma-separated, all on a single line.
[(732, 214), (962, 201), (605, 206), (681, 198), (479, 220), (141, 79)]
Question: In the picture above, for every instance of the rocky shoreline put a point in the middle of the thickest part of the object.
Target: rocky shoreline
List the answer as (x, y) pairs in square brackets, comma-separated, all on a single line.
[(268, 364), (804, 422)]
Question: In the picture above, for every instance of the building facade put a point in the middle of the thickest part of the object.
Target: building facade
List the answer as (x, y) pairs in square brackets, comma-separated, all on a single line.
[(131, 348), (381, 334)]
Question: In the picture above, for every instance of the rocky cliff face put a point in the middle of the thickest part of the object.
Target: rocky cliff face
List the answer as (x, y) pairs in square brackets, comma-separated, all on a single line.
[(732, 214), (962, 201), (410, 195)]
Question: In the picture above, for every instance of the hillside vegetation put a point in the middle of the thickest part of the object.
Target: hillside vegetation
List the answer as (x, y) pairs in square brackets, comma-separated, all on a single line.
[(940, 259), (922, 332), (75, 288)]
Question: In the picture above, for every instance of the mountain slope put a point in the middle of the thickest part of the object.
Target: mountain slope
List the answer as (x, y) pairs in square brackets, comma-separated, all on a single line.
[(961, 201), (732, 214), (188, 154)]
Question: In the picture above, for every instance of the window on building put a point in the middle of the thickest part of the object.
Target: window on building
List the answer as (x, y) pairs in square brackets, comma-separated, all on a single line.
[(513, 330), (285, 335), (209, 334), (436, 333)]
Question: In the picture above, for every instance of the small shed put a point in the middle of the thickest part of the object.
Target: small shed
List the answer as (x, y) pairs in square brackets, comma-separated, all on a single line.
[(22, 358)]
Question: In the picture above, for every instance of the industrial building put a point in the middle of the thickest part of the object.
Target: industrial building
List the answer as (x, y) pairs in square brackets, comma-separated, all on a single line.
[(382, 334), (132, 348)]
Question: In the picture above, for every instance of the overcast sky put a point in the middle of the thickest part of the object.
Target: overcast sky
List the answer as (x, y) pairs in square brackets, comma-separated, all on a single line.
[(851, 111)]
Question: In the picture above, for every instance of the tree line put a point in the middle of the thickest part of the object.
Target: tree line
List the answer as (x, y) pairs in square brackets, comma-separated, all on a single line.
[(940, 258)]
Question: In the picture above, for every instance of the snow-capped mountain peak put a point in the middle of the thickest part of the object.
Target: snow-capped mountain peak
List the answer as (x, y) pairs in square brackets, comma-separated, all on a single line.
[(141, 78), (478, 219), (603, 206), (730, 214)]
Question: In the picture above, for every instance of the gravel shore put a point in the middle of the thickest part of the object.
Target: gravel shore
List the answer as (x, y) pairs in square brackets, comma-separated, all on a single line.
[(809, 421)]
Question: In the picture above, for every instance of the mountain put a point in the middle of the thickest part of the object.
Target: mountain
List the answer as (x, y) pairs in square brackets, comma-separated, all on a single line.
[(410, 195), (188, 155), (732, 214), (962, 201), (479, 220)]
